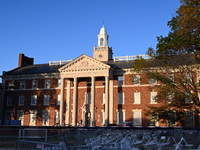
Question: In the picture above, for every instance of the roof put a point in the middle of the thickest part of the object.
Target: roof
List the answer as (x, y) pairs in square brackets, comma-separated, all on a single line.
[(46, 68), (34, 69)]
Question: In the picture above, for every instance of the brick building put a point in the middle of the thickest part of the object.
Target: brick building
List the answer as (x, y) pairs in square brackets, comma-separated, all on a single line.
[(89, 91)]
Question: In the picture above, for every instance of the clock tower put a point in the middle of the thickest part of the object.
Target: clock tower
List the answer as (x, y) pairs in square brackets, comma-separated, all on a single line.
[(102, 52)]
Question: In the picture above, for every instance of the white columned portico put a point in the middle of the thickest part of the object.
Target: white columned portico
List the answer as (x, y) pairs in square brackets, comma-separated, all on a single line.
[(111, 102), (92, 107), (62, 101), (106, 100), (74, 115), (67, 103)]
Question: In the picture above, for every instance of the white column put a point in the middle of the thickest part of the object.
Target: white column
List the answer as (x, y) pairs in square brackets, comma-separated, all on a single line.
[(67, 103), (74, 115), (92, 106), (62, 101), (106, 101), (111, 102)]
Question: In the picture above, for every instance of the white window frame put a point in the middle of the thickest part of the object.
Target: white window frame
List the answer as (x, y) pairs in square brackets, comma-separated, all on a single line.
[(34, 84), (20, 116), (170, 97), (57, 117), (47, 84), (136, 80), (46, 99), (188, 100), (23, 84), (120, 98), (33, 100), (152, 97), (21, 100), (11, 84), (152, 81), (33, 117), (136, 98), (137, 120), (171, 77), (188, 77), (59, 82), (45, 117)]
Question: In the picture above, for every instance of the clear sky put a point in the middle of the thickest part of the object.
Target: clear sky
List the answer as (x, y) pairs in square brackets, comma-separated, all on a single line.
[(50, 30)]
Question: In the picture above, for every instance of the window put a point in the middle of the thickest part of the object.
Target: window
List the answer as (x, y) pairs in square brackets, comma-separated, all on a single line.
[(170, 77), (58, 99), (59, 82), (33, 99), (136, 79), (189, 118), (187, 98), (120, 80), (46, 99), (102, 117), (57, 117), (103, 98), (11, 84), (9, 100), (35, 84), (8, 115), (33, 117), (188, 77), (22, 84), (120, 98), (137, 117), (152, 81), (153, 97), (88, 98), (101, 41), (172, 120), (170, 97), (45, 117), (120, 117), (136, 96), (21, 100), (47, 84), (20, 116)]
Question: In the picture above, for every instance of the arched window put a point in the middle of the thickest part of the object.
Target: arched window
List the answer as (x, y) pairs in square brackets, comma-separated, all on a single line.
[(101, 41)]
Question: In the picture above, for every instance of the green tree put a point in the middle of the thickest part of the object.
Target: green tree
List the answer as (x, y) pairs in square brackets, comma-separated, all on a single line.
[(175, 65)]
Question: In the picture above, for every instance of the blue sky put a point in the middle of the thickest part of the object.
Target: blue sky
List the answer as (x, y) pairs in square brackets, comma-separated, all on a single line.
[(50, 30)]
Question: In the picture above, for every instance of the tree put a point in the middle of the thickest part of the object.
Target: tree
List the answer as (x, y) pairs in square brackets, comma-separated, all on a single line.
[(175, 65)]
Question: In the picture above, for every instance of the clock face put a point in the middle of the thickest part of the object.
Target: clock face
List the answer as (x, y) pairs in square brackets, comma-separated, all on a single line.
[(100, 56)]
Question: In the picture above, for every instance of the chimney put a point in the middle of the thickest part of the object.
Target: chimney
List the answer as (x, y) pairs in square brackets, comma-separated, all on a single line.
[(24, 60)]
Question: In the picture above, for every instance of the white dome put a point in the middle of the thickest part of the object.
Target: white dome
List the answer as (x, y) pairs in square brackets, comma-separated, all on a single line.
[(103, 30)]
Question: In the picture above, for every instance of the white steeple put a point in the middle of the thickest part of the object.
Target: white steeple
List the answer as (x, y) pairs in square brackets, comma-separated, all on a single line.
[(103, 37), (102, 52)]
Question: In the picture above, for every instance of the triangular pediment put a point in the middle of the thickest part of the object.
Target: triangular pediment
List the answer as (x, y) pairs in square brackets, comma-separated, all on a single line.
[(84, 63)]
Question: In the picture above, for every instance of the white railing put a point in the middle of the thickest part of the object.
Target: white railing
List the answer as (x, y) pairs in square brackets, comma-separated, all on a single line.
[(60, 62), (127, 58)]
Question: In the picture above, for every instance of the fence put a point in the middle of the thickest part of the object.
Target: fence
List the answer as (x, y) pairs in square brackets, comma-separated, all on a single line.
[(33, 133), (33, 145)]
